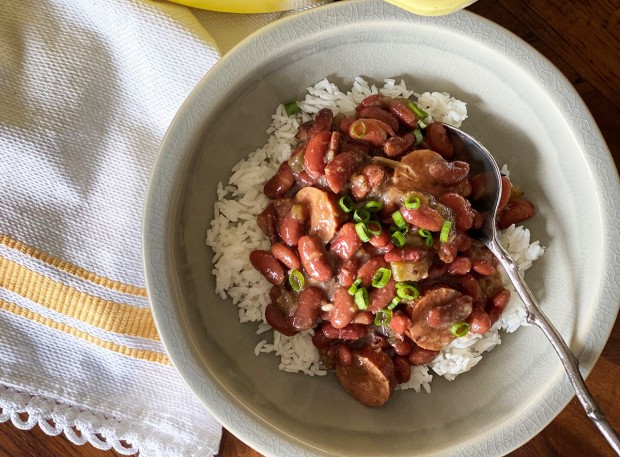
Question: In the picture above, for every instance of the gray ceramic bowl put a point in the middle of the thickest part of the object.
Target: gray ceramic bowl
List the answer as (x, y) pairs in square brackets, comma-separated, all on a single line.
[(520, 107)]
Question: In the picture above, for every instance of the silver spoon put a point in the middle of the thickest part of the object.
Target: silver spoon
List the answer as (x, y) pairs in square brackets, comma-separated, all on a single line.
[(480, 159)]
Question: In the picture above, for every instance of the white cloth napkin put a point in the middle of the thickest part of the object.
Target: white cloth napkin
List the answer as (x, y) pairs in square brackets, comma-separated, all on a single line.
[(87, 90)]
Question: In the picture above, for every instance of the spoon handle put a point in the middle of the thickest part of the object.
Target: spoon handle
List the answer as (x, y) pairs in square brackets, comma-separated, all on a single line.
[(571, 365)]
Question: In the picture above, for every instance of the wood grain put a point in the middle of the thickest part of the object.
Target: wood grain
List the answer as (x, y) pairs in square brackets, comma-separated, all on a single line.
[(583, 40)]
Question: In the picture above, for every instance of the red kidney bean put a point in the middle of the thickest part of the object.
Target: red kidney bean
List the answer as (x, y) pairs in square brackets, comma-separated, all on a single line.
[(267, 222), (378, 342), (308, 308), (313, 258), (372, 131), (359, 187), (461, 208), (346, 242), (345, 356), (345, 124), (407, 253), (375, 100), (402, 369), (381, 240), (506, 191), (276, 318), (497, 304), (293, 225), (482, 266), (398, 145), (448, 173), (320, 341), (322, 121), (399, 323), (480, 185), (374, 174), (463, 241), (421, 356), (478, 220), (437, 137), (350, 332), (363, 317), (468, 285), (402, 347), (436, 271), (281, 182), (347, 145), (348, 272), (380, 298), (447, 252), (316, 150), (372, 112), (479, 321), (268, 266), (344, 308), (459, 266), (285, 255), (339, 171), (303, 131), (402, 112), (443, 316), (368, 269), (424, 217), (515, 212)]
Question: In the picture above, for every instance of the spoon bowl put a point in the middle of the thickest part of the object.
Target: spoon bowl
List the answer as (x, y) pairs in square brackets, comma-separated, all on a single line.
[(470, 150)]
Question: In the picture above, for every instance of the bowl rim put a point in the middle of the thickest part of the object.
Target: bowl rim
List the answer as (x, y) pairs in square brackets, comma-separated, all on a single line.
[(170, 157)]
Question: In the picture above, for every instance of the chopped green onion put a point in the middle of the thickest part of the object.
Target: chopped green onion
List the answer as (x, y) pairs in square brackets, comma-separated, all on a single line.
[(373, 205), (362, 231), (394, 303), (445, 231), (428, 237), (383, 317), (381, 277), (460, 329), (356, 131), (398, 239), (296, 280), (361, 298), (421, 124), (291, 108), (412, 202), (354, 286), (398, 219), (418, 136), (361, 215), (406, 291), (374, 228), (419, 112), (346, 204)]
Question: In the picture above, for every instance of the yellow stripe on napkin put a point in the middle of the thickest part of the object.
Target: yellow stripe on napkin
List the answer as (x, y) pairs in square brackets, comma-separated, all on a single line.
[(107, 315), (141, 354), (70, 268)]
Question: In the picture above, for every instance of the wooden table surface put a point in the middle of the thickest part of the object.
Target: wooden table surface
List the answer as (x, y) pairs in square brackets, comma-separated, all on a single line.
[(583, 40)]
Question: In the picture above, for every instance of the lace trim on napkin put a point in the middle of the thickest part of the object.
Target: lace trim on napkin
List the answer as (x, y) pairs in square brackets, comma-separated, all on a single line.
[(81, 426)]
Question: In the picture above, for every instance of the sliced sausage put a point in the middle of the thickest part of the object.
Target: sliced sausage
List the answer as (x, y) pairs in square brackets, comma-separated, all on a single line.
[(325, 214)]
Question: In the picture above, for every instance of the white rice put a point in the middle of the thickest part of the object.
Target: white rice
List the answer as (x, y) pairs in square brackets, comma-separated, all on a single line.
[(233, 234)]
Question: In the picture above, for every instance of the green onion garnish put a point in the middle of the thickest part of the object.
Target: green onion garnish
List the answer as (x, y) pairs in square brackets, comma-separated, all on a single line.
[(406, 291), (398, 239), (354, 286), (383, 317), (346, 204), (361, 298), (359, 129), (361, 215), (381, 277), (374, 228), (373, 205), (421, 124), (394, 303), (362, 231), (296, 280), (418, 136), (419, 112), (412, 202), (291, 108), (399, 220), (460, 329), (445, 231), (428, 237)]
